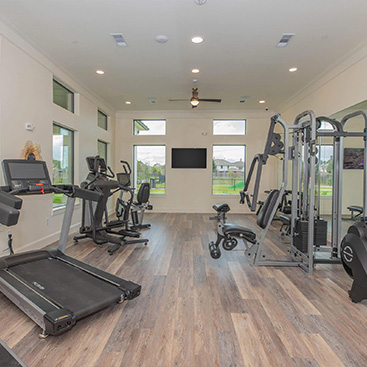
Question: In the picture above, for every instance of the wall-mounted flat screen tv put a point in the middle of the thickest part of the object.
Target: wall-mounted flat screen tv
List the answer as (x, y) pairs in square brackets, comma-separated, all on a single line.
[(353, 158), (188, 157)]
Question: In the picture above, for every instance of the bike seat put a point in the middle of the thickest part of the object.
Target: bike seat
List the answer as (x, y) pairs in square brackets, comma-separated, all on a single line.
[(221, 208), (238, 231)]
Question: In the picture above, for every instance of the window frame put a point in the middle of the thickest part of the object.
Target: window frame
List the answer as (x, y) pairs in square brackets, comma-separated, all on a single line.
[(245, 127), (106, 145), (105, 115), (54, 123), (54, 80), (134, 168), (165, 127), (244, 167)]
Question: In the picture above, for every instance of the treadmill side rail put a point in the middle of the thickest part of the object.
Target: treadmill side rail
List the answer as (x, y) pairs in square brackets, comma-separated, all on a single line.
[(8, 357)]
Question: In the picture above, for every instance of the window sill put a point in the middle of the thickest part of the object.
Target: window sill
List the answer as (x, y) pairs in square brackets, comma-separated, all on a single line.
[(60, 210)]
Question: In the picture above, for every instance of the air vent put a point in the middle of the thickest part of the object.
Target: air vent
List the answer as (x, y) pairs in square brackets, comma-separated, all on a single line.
[(285, 39), (120, 41)]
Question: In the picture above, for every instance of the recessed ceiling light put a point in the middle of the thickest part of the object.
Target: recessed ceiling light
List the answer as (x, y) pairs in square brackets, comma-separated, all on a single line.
[(262, 101), (194, 80), (161, 39), (197, 39), (100, 72), (195, 71), (128, 102), (292, 70)]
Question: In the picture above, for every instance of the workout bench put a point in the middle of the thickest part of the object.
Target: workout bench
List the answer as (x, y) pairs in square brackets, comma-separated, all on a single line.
[(355, 208)]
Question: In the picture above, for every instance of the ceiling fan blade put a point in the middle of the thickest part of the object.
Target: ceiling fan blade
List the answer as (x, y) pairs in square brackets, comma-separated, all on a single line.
[(179, 100), (210, 100)]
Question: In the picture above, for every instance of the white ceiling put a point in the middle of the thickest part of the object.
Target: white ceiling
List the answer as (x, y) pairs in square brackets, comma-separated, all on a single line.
[(237, 58)]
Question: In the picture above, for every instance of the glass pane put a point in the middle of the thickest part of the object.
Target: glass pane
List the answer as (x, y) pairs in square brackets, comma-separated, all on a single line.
[(150, 166), (102, 120), (102, 150), (228, 169), (325, 166), (63, 161), (63, 97), (229, 127), (149, 127), (326, 126)]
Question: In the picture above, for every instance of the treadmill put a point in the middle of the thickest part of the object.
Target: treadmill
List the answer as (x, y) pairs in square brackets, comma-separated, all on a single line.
[(53, 289)]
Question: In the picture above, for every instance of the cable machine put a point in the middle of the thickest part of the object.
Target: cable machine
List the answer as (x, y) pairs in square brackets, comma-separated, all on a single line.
[(308, 230)]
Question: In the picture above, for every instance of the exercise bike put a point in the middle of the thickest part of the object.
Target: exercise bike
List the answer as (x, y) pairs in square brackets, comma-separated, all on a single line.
[(353, 252), (138, 207)]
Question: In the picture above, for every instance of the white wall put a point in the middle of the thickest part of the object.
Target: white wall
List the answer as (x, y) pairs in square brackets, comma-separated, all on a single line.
[(26, 97), (343, 86), (189, 190)]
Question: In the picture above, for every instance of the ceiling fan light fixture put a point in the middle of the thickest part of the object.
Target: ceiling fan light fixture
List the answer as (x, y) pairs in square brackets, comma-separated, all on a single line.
[(194, 102)]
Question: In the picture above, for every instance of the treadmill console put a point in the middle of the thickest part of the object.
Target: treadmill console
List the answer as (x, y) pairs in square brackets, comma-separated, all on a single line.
[(26, 176)]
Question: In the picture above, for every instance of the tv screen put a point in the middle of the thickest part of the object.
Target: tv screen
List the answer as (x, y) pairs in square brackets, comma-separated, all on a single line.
[(353, 158), (188, 157)]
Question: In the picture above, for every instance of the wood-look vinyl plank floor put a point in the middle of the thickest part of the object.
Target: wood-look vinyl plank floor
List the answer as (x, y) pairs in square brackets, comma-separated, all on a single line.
[(196, 311)]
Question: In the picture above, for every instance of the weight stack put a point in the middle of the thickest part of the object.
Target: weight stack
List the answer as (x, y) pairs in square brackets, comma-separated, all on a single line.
[(301, 234)]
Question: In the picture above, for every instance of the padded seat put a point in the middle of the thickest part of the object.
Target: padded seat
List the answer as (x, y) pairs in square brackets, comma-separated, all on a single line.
[(355, 208), (238, 231), (221, 208), (285, 219)]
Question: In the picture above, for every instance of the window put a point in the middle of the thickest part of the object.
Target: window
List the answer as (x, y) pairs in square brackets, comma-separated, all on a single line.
[(63, 161), (229, 127), (102, 120), (62, 96), (150, 166), (325, 167), (325, 126), (102, 149), (149, 127), (228, 169)]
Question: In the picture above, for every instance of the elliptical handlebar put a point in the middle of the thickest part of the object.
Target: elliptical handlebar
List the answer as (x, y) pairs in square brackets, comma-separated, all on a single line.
[(126, 167)]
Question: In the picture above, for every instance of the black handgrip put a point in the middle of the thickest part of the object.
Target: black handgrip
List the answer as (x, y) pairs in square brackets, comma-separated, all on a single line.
[(8, 215), (126, 167), (10, 200)]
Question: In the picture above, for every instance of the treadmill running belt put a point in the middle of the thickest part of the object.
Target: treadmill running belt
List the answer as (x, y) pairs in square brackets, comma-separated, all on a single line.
[(68, 286), (7, 359)]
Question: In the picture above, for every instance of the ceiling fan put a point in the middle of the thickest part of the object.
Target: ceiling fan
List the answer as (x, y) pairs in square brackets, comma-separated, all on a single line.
[(195, 100)]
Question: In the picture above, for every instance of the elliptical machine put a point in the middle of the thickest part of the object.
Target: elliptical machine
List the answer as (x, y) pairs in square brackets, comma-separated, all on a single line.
[(100, 179)]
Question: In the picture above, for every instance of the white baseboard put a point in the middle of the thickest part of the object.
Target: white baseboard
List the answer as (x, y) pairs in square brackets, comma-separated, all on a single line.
[(45, 241)]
